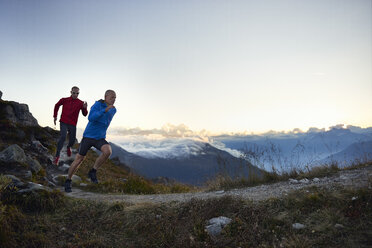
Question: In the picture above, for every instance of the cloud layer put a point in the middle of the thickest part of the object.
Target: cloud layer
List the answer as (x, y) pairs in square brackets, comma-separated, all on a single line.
[(178, 141), (164, 148)]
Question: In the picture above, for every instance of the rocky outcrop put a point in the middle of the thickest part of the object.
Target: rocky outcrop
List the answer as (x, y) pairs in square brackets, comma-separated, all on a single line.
[(26, 152), (25, 147), (13, 154), (14, 157), (17, 113), (18, 126)]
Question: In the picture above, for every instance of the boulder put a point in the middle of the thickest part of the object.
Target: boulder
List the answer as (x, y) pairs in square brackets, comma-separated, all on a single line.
[(34, 165), (215, 225), (13, 154), (15, 181), (39, 147), (18, 113), (32, 187), (1, 94)]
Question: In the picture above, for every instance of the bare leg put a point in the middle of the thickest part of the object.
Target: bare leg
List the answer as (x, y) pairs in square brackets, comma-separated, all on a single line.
[(106, 152), (75, 165)]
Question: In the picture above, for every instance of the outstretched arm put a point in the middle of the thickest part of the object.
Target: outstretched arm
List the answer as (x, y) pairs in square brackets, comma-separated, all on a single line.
[(56, 108)]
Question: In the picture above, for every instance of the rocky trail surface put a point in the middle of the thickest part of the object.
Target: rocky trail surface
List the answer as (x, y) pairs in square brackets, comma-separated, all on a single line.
[(356, 178)]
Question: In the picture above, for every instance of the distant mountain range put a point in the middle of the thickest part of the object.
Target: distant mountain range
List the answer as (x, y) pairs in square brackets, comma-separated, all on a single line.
[(194, 169), (287, 151), (356, 152), (194, 162)]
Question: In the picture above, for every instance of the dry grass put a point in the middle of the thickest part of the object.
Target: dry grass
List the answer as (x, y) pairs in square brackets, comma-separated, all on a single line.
[(79, 223), (225, 182), (115, 178)]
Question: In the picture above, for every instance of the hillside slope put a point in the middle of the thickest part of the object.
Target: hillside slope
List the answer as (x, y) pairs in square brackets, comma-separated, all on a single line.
[(193, 169)]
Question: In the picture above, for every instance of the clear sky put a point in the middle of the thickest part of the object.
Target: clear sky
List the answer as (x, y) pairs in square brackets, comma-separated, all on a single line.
[(223, 66)]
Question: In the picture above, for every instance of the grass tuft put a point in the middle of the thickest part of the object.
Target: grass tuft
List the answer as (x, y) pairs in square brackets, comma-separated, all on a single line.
[(34, 201)]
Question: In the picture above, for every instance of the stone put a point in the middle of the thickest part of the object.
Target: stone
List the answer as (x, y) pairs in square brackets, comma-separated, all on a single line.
[(34, 187), (213, 230), (13, 154), (37, 144), (51, 184), (293, 181), (64, 167), (28, 175), (34, 165), (60, 179), (75, 179), (339, 226), (215, 225), (298, 226), (305, 180), (1, 94), (16, 181)]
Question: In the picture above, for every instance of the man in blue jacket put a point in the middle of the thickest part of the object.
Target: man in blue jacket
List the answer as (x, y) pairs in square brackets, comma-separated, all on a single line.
[(100, 116)]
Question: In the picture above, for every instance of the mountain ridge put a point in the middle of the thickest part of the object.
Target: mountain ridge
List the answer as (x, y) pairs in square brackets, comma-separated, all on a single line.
[(195, 169)]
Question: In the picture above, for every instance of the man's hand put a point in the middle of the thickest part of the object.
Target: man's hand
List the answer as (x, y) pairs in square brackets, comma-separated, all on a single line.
[(55, 120), (109, 107), (85, 105)]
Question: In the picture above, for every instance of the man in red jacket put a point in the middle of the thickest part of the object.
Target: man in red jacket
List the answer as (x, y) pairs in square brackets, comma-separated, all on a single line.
[(69, 117)]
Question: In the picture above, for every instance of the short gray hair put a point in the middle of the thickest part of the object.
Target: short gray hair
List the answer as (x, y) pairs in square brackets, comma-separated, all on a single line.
[(109, 92)]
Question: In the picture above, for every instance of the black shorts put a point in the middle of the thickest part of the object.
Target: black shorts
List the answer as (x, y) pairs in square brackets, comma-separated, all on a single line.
[(87, 143)]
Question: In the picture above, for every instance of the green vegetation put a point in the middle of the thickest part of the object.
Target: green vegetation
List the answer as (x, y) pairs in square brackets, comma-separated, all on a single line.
[(333, 218)]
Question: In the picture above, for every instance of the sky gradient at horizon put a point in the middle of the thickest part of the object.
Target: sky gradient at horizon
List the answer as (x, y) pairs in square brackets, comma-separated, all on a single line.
[(223, 66)]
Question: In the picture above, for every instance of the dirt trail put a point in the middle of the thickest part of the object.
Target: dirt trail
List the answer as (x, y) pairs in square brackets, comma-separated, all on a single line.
[(351, 178)]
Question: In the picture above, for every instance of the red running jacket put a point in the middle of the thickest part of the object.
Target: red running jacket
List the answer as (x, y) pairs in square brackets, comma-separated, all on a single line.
[(70, 110)]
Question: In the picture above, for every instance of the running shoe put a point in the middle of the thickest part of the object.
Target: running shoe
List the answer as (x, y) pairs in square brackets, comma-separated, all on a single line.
[(69, 151), (68, 185), (92, 175), (55, 161)]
